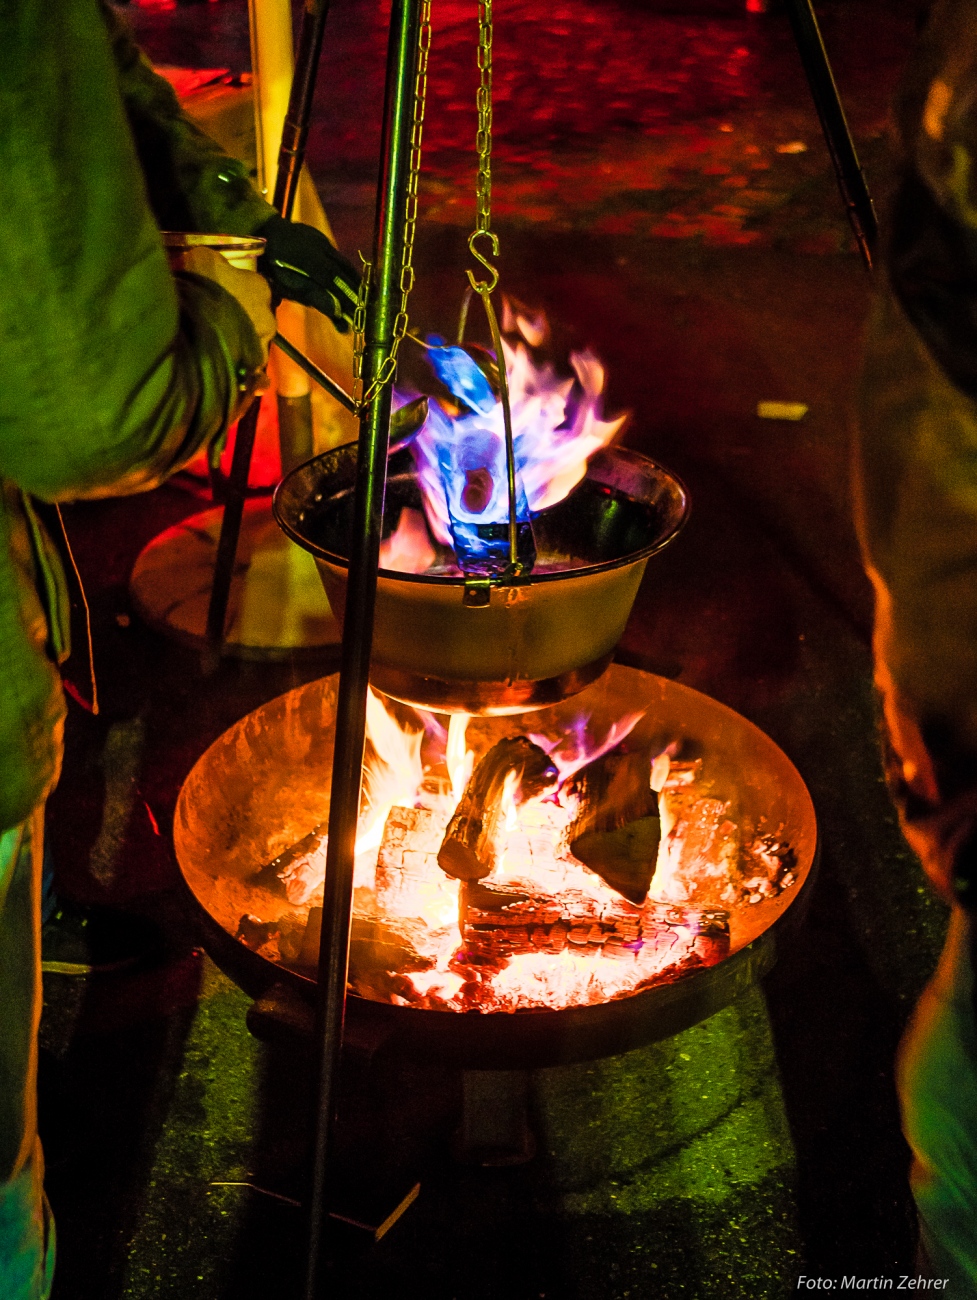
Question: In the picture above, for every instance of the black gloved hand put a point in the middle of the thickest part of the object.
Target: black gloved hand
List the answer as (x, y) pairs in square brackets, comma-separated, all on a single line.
[(300, 264)]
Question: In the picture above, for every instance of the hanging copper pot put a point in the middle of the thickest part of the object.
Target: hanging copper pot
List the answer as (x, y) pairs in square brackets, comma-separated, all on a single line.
[(453, 645)]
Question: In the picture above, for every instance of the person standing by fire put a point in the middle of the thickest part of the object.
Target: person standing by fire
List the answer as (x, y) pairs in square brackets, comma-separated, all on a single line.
[(916, 471), (115, 373)]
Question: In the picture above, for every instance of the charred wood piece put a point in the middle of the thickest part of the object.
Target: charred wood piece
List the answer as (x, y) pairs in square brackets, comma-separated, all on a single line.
[(701, 861), (298, 872), (613, 790), (774, 865), (471, 842), (500, 921), (616, 831), (624, 859), (407, 880)]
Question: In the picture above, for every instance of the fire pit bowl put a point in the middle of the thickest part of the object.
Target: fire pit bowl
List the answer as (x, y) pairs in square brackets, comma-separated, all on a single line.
[(451, 645), (265, 783)]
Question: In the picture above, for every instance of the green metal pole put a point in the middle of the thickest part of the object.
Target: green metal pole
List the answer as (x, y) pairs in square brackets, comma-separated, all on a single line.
[(364, 559)]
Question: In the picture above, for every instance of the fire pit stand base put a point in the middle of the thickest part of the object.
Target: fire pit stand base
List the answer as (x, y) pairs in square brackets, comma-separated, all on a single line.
[(495, 1130)]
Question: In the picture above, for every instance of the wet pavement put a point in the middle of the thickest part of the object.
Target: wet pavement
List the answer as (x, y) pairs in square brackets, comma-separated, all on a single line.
[(645, 199)]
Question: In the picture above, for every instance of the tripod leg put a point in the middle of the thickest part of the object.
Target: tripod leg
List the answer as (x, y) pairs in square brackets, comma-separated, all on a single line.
[(295, 131), (290, 159), (827, 101), (403, 86), (235, 492)]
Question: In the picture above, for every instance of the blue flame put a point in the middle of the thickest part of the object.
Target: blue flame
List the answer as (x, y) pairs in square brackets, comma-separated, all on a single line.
[(460, 375), (470, 457)]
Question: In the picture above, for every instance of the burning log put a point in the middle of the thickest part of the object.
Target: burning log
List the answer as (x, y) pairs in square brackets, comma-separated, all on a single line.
[(408, 883), (613, 790), (625, 859), (700, 860), (381, 955), (504, 920), (300, 869), (471, 842), (617, 831)]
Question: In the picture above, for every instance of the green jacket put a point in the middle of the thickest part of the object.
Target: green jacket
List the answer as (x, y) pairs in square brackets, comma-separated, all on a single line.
[(113, 372)]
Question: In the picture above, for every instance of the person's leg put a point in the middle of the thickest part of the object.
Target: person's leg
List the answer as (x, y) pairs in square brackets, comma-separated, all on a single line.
[(79, 939), (26, 1230)]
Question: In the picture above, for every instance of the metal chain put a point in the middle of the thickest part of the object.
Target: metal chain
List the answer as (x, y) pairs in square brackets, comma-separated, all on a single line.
[(483, 231), (386, 371), (359, 331), (483, 101), (483, 145)]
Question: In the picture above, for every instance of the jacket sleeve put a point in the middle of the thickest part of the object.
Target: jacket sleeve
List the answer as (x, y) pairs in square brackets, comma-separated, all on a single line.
[(114, 371), (192, 184)]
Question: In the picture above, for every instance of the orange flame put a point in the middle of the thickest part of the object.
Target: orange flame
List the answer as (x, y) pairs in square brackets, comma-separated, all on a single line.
[(408, 549), (590, 956)]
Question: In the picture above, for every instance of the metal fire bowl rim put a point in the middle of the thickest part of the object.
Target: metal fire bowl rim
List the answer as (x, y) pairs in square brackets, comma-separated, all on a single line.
[(533, 1038), (530, 579)]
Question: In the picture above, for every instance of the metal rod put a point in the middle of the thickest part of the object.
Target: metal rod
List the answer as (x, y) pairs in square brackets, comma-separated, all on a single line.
[(295, 130), (364, 558), (313, 371), (837, 135), (236, 490), (510, 449), (463, 316), (295, 133)]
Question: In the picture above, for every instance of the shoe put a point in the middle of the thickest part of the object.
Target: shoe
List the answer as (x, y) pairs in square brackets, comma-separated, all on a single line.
[(96, 940)]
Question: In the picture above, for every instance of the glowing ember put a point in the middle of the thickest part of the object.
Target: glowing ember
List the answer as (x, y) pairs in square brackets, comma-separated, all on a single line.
[(460, 453), (542, 929)]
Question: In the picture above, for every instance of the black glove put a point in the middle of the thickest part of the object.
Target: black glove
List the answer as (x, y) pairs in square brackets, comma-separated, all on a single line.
[(300, 264)]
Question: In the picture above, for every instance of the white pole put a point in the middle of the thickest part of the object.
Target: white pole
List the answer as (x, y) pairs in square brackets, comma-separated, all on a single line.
[(272, 66)]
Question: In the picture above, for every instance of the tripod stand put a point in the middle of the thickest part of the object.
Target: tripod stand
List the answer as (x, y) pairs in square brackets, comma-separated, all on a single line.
[(405, 51)]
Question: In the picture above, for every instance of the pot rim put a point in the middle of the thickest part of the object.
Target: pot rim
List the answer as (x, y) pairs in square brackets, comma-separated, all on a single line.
[(526, 580)]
